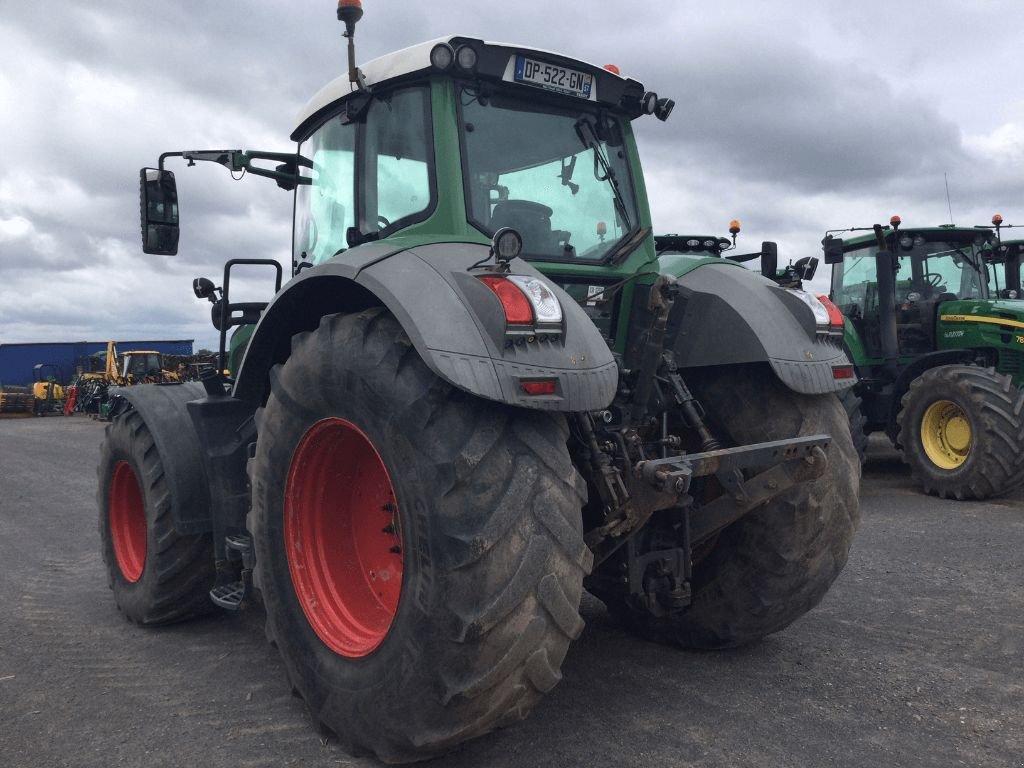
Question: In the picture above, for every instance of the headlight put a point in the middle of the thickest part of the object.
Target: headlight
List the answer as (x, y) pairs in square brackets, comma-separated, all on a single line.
[(821, 318)]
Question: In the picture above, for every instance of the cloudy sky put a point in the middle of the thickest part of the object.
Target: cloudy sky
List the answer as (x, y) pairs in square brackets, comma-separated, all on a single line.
[(794, 117)]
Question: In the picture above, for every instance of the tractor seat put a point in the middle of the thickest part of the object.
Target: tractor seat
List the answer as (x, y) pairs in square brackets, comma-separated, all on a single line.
[(531, 220)]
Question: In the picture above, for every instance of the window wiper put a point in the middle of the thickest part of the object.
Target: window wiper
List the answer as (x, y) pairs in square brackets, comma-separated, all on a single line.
[(585, 131)]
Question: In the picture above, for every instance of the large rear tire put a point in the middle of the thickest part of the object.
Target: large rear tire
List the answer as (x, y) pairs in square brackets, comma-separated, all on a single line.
[(961, 428), (419, 550), (158, 576), (776, 563)]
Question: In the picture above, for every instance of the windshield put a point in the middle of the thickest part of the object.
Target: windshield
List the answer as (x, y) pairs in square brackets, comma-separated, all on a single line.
[(559, 176), (928, 269)]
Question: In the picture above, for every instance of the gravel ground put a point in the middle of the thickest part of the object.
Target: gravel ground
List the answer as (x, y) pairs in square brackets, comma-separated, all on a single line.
[(915, 657)]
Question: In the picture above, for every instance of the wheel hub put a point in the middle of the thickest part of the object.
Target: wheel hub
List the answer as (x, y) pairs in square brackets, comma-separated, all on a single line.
[(343, 537), (127, 522), (946, 434)]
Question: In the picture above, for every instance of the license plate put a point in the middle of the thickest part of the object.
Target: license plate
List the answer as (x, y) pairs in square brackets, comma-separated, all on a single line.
[(552, 77)]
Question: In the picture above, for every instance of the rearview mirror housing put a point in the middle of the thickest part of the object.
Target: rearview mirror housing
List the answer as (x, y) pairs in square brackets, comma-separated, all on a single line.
[(158, 208), (769, 259), (833, 248)]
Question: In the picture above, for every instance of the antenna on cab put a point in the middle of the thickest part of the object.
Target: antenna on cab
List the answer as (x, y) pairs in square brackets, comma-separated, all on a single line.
[(349, 12)]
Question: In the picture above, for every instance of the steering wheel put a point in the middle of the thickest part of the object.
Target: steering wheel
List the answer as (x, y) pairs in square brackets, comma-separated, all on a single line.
[(934, 279), (382, 222)]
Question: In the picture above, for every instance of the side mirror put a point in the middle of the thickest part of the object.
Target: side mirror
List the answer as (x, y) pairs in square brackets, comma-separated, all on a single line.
[(833, 247), (158, 204), (769, 259)]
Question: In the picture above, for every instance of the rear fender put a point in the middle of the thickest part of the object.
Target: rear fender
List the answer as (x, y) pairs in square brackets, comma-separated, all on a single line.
[(163, 408), (725, 315), (453, 320), (203, 439)]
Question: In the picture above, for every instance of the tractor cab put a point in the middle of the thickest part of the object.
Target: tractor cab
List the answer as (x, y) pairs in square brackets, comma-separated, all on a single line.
[(931, 267), (456, 141), (1004, 262), (141, 366), (1010, 254)]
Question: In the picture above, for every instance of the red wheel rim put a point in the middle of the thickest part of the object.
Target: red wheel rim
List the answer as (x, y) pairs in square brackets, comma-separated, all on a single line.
[(127, 522), (343, 537)]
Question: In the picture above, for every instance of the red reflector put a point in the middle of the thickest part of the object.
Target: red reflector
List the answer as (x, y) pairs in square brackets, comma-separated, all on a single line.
[(517, 307), (835, 317), (545, 387), (842, 372), (613, 69)]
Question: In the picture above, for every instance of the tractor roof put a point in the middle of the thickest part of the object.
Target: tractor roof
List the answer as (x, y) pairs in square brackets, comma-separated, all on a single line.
[(496, 62), (943, 232)]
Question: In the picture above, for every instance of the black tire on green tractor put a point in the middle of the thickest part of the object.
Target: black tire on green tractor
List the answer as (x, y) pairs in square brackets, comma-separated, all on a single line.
[(777, 562), (961, 428), (852, 405), (158, 576), (419, 550)]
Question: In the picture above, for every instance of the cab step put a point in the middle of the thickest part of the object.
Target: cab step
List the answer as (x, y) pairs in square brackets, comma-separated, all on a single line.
[(233, 596)]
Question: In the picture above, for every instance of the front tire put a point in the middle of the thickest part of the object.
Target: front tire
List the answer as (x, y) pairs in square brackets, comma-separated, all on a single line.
[(158, 576), (961, 428), (367, 464)]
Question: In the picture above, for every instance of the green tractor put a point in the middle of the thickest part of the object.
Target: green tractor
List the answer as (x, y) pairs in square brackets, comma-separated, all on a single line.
[(939, 350), (481, 391)]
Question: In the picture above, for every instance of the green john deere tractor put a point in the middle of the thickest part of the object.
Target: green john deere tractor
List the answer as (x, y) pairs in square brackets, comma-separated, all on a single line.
[(939, 350), (481, 391)]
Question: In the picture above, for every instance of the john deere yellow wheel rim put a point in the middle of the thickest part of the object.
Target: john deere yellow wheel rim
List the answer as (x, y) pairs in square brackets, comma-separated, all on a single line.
[(946, 434)]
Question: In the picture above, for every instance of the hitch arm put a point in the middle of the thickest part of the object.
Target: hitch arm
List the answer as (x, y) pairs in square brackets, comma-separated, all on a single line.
[(725, 510)]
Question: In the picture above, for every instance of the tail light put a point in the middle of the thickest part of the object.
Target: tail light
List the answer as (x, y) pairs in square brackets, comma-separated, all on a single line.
[(513, 301), (525, 300)]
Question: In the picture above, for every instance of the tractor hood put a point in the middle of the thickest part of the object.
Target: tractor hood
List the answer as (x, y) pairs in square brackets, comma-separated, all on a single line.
[(1008, 313)]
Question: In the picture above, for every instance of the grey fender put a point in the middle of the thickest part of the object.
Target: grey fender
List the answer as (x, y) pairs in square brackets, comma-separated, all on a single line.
[(453, 320), (163, 408), (725, 315)]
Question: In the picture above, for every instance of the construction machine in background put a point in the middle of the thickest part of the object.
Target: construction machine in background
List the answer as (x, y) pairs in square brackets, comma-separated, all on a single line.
[(47, 390), (89, 391)]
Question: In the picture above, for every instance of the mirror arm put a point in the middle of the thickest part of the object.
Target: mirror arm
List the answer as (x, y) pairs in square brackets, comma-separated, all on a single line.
[(236, 160)]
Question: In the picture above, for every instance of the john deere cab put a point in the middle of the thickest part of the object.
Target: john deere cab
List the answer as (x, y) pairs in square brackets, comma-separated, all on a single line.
[(939, 351), (481, 391)]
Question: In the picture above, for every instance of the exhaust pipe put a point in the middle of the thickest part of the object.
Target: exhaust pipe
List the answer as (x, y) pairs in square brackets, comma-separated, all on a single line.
[(886, 272)]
